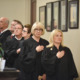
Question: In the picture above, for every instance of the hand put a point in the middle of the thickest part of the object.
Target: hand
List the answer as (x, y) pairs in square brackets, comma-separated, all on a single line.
[(44, 77), (18, 50), (60, 54), (39, 48), (39, 77)]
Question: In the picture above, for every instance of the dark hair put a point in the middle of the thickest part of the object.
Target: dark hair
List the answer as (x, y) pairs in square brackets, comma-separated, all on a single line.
[(29, 27), (18, 22)]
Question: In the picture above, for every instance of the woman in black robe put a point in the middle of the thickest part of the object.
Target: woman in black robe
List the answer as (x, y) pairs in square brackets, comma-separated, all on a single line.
[(31, 53), (57, 59)]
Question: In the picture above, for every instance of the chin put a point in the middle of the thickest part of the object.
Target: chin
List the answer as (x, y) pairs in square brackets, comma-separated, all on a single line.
[(58, 42), (38, 36)]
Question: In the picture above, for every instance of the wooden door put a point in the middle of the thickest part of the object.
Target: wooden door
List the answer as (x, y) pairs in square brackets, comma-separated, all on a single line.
[(33, 11)]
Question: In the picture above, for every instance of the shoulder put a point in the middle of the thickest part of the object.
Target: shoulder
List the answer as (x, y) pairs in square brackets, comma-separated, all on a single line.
[(44, 40), (10, 42), (28, 41), (8, 32), (9, 39), (67, 50), (48, 49)]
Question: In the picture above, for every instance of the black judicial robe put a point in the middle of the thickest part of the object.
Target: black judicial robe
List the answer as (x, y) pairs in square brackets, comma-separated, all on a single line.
[(3, 37), (30, 58), (11, 47), (59, 69)]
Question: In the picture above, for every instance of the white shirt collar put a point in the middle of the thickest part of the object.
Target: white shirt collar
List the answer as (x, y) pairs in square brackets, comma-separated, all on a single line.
[(4, 30), (13, 34), (17, 38)]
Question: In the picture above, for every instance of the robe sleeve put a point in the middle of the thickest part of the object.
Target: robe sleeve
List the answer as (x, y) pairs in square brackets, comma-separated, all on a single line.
[(10, 49), (10, 52), (49, 61), (72, 68), (28, 56)]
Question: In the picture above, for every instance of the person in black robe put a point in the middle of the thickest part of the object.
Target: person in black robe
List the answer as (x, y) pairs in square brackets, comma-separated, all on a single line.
[(31, 53), (12, 27), (26, 33), (4, 32), (12, 45), (11, 51), (57, 60)]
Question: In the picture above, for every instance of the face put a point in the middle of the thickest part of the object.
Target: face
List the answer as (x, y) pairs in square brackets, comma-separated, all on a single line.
[(38, 32), (13, 26), (2, 23), (18, 30), (25, 33), (58, 38)]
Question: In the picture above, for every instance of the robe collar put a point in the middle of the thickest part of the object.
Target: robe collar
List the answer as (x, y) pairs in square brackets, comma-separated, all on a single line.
[(60, 48), (4, 30)]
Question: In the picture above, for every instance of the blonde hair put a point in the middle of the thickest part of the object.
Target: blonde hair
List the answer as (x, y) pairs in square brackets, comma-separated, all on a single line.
[(53, 33), (39, 25)]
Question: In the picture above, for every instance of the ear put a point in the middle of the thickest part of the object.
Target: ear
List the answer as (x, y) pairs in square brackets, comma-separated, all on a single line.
[(6, 25)]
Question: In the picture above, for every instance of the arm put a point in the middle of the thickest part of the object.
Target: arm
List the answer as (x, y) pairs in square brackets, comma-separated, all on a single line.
[(28, 55), (10, 49), (72, 68)]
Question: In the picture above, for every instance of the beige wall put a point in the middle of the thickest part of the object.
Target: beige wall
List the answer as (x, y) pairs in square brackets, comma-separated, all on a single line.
[(71, 38), (16, 9)]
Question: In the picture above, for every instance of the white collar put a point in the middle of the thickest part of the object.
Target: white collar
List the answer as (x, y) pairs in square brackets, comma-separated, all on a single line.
[(4, 30), (17, 38), (13, 34)]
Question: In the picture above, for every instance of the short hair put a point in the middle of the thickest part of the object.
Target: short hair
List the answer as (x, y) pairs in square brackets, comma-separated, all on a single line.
[(53, 33), (6, 20), (29, 27), (39, 25), (18, 22)]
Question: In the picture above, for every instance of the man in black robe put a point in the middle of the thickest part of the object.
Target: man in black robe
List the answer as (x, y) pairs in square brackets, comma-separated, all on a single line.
[(4, 32), (12, 45)]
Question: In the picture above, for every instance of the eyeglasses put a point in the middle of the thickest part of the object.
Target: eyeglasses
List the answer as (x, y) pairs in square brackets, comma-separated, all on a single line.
[(38, 29), (25, 31)]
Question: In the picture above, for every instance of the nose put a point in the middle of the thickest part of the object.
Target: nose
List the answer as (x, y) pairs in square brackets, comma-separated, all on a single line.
[(38, 30)]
